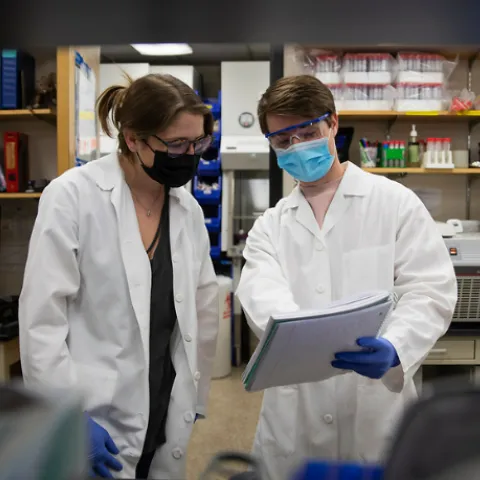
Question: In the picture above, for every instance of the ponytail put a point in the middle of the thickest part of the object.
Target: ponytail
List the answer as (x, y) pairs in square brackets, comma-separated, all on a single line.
[(108, 106)]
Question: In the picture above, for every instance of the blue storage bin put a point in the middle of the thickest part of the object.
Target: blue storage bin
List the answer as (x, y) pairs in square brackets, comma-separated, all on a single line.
[(211, 168), (215, 106), (216, 247), (213, 197), (213, 218)]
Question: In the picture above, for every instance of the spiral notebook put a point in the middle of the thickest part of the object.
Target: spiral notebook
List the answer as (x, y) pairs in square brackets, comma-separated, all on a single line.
[(299, 348)]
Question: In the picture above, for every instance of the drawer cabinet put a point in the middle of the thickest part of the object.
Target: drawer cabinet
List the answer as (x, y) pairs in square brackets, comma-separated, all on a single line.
[(451, 350)]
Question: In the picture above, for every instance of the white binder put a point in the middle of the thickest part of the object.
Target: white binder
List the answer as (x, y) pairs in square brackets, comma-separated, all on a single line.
[(299, 348)]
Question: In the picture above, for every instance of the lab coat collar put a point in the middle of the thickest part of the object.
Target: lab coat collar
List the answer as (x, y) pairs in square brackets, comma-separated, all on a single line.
[(355, 183), (108, 175)]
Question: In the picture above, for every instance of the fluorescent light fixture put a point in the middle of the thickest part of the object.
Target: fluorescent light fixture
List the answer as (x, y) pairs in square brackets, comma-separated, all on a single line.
[(163, 49)]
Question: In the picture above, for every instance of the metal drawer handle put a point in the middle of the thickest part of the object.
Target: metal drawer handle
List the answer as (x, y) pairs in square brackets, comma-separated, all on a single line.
[(441, 351)]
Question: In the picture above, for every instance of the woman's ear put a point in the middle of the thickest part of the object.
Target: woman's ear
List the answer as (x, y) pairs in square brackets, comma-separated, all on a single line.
[(130, 139)]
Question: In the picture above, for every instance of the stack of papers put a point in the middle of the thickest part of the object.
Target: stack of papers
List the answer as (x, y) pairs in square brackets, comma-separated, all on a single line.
[(299, 347)]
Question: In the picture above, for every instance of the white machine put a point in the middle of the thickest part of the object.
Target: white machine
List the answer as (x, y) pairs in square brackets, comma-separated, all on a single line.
[(245, 157), (463, 243), (244, 150)]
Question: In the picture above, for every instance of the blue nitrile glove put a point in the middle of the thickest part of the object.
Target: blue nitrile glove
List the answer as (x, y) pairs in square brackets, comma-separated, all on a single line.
[(101, 450), (375, 361)]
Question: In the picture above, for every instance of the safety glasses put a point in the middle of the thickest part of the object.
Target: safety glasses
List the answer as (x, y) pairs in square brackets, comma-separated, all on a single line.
[(303, 132), (177, 148)]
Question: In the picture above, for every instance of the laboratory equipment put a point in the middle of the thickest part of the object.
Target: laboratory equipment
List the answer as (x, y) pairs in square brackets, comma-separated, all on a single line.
[(367, 68), (438, 154), (420, 96), (328, 69), (464, 249), (245, 155), (417, 67), (359, 96)]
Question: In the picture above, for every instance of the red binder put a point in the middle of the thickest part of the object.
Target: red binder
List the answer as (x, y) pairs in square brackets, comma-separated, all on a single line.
[(16, 161)]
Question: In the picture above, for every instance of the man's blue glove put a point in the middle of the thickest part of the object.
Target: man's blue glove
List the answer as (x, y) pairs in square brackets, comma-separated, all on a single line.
[(375, 361), (101, 450)]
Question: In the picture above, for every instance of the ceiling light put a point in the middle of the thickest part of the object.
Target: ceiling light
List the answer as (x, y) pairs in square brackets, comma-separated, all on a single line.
[(163, 49)]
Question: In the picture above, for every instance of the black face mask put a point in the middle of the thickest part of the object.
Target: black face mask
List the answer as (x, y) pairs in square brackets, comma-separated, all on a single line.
[(172, 172)]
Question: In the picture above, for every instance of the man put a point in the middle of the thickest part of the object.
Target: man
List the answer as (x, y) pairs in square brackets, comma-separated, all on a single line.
[(342, 231)]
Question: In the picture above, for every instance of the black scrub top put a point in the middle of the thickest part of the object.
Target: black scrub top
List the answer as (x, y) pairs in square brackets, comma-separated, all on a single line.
[(162, 323)]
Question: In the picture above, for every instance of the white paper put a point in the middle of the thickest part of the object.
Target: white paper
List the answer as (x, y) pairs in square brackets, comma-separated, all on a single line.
[(304, 344)]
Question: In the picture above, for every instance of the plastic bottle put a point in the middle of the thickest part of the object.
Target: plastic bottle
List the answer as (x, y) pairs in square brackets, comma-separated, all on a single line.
[(413, 149)]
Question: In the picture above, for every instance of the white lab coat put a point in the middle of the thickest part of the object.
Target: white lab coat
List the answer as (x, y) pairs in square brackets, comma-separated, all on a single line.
[(85, 309), (376, 235)]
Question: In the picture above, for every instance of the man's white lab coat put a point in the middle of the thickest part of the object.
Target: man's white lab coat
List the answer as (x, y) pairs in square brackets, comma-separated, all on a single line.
[(377, 234)]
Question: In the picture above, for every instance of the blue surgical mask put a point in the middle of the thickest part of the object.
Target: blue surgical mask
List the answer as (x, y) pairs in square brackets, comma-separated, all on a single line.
[(307, 161)]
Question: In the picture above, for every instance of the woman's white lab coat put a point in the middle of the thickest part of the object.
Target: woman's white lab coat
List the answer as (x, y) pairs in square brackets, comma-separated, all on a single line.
[(376, 235), (85, 309)]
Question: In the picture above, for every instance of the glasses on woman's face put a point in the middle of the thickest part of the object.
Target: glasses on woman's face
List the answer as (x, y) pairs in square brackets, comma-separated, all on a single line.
[(176, 148), (303, 132)]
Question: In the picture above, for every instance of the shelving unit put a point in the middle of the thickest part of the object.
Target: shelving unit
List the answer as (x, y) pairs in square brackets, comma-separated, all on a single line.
[(16, 196), (425, 171), (26, 114), (388, 114), (62, 118)]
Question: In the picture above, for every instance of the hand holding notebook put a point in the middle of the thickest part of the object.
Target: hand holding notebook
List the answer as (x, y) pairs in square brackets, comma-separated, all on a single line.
[(300, 348)]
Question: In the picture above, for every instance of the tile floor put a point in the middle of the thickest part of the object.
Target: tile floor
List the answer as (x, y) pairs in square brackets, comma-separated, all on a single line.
[(231, 423)]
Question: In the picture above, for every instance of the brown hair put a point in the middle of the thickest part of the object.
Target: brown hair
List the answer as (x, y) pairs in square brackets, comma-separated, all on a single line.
[(148, 105), (301, 95)]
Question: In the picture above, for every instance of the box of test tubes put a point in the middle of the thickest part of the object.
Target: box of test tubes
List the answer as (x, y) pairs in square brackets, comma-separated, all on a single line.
[(328, 69), (367, 68), (438, 153), (421, 68), (368, 97), (420, 97)]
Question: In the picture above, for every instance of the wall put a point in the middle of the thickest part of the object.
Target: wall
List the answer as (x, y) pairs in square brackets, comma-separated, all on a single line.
[(450, 188)]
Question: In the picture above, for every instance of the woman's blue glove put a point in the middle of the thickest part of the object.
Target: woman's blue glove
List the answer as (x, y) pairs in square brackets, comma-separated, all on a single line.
[(375, 361), (102, 448)]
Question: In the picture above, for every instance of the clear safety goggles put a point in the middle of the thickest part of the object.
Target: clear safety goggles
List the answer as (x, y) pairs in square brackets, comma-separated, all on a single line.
[(303, 132), (177, 148)]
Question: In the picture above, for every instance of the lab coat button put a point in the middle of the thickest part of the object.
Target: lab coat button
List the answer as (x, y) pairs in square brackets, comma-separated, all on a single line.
[(328, 418), (320, 288), (179, 297), (188, 417), (187, 338), (319, 246), (175, 258), (197, 376), (177, 453)]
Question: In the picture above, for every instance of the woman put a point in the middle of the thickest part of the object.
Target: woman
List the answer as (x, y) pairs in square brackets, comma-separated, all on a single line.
[(120, 299)]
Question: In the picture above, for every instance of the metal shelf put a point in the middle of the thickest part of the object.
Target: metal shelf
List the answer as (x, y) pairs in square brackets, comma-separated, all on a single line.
[(424, 171), (16, 196)]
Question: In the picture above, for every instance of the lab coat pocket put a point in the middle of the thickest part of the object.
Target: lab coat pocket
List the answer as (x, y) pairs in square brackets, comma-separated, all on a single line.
[(367, 269), (97, 385)]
